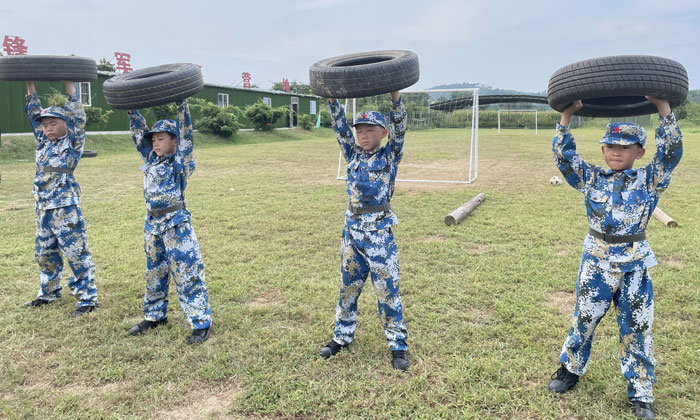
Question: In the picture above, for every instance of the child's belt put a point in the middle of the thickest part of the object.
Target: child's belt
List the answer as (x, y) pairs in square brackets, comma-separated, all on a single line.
[(617, 239), (370, 209), (53, 169), (163, 212)]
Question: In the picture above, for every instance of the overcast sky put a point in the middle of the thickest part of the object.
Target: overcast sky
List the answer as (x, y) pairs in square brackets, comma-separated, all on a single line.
[(507, 44)]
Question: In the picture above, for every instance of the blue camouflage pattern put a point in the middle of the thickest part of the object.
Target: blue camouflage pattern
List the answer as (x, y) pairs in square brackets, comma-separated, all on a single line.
[(57, 189), (165, 178), (175, 253), (371, 175), (52, 111), (170, 243), (163, 126), (371, 118), (367, 245), (371, 253), (62, 231), (633, 295), (620, 203), (624, 134)]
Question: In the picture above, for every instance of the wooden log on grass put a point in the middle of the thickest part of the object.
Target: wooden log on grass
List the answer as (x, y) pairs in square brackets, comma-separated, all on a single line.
[(462, 211), (664, 218)]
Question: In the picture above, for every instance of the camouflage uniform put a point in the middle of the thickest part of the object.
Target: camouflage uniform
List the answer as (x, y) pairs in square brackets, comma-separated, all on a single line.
[(367, 245), (618, 204), (170, 242), (60, 227)]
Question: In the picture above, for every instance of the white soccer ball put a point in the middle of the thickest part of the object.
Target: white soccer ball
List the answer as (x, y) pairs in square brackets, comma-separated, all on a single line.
[(555, 180)]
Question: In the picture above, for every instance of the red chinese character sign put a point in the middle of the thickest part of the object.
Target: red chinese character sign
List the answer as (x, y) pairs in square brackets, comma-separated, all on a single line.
[(246, 79), (285, 85), (14, 45), (123, 62)]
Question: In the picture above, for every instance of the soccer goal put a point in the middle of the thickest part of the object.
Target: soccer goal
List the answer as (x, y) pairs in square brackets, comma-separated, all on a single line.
[(515, 110), (442, 143)]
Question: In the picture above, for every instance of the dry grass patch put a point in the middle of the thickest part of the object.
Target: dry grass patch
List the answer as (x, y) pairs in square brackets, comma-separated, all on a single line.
[(205, 403), (562, 302)]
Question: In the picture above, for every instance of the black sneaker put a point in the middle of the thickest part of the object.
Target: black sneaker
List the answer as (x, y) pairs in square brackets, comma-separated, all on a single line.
[(38, 302), (82, 310), (642, 410), (145, 325), (199, 336), (330, 349), (399, 360), (562, 380)]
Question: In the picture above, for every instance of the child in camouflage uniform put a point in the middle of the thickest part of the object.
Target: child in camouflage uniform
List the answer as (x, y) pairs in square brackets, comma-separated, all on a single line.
[(170, 242), (616, 254), (367, 245), (60, 227)]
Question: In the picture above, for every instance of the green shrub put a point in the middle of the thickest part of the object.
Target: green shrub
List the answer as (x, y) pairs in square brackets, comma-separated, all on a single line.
[(264, 116), (222, 121), (164, 112), (326, 119), (307, 122)]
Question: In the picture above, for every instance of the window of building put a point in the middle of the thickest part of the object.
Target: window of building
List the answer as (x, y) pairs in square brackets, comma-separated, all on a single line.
[(312, 107), (223, 99), (267, 101), (83, 91)]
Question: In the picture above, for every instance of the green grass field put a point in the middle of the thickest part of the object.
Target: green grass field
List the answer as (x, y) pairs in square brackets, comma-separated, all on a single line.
[(487, 303)]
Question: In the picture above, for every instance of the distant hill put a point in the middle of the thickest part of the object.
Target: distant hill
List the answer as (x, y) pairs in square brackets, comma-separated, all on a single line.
[(487, 90)]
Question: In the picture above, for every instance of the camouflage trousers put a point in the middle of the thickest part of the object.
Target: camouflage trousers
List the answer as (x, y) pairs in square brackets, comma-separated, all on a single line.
[(633, 297), (371, 253), (62, 231), (175, 253)]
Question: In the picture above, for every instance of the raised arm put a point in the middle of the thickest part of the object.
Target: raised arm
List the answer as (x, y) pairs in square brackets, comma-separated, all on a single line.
[(343, 132), (397, 126), (75, 117), (138, 128), (572, 167), (33, 110), (669, 146), (184, 160)]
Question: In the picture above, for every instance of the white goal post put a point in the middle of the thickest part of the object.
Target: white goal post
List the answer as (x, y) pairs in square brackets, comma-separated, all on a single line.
[(470, 173), (516, 110)]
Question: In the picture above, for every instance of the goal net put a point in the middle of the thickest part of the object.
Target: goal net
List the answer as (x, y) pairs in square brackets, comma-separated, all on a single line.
[(442, 134)]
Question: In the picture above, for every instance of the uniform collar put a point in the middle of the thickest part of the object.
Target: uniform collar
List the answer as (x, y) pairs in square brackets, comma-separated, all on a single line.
[(371, 152), (630, 173)]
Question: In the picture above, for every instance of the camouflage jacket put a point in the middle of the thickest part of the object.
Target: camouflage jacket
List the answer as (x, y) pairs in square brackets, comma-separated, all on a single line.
[(165, 178), (620, 203), (57, 189), (371, 175)]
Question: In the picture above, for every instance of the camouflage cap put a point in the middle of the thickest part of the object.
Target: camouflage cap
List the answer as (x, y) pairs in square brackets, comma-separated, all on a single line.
[(624, 134), (371, 118), (52, 111), (162, 126)]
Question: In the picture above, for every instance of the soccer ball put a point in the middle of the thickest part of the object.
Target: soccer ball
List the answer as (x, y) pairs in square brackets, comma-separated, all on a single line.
[(555, 180)]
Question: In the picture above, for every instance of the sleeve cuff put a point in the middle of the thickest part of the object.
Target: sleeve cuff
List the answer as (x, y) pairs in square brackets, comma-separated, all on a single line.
[(563, 128), (669, 119)]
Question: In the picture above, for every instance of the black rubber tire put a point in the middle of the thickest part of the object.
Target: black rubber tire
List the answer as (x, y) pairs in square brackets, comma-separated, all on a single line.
[(461, 103), (364, 74), (47, 68), (615, 86), (89, 153), (152, 86)]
